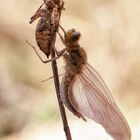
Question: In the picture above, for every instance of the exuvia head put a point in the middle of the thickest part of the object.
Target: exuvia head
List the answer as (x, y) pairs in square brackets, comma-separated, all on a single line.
[(49, 4), (72, 37), (40, 13)]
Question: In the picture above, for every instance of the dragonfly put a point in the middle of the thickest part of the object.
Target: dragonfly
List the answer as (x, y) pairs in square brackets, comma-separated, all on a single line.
[(84, 92)]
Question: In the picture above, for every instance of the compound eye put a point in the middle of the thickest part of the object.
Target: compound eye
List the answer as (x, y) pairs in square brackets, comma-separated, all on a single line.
[(75, 36)]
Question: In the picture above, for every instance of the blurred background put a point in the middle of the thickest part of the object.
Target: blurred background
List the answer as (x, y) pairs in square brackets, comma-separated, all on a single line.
[(110, 34)]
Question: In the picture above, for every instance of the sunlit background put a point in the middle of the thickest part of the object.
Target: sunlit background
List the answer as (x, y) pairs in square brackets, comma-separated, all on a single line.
[(111, 36)]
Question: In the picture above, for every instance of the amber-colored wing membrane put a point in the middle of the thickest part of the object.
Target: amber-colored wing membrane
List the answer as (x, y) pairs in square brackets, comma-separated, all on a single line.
[(90, 96)]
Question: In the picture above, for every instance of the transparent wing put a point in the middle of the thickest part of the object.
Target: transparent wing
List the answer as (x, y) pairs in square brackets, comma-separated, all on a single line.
[(90, 96)]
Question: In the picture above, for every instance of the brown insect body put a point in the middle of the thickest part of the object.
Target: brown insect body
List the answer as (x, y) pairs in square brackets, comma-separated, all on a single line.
[(47, 25), (75, 59), (43, 29), (84, 92), (43, 33)]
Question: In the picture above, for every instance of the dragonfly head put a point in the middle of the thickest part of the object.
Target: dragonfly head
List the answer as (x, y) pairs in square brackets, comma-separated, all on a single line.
[(72, 37)]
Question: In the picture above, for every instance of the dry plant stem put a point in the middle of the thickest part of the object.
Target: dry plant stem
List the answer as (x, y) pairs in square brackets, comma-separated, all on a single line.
[(57, 87)]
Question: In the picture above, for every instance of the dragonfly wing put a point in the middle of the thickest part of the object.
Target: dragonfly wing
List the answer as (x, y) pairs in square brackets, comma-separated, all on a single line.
[(90, 96)]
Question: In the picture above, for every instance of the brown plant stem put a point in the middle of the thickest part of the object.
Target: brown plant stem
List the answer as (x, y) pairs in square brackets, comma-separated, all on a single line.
[(57, 88), (57, 84)]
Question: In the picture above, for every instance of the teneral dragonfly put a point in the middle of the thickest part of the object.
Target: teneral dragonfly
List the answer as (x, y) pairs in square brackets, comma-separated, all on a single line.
[(85, 93)]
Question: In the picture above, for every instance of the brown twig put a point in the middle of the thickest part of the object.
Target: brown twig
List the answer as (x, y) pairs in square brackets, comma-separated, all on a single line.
[(57, 86)]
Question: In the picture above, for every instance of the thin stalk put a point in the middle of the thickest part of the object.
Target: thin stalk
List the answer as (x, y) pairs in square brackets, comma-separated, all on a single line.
[(61, 107), (57, 88)]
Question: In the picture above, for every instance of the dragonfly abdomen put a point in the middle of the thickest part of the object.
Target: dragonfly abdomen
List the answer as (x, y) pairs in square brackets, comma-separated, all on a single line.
[(66, 82)]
